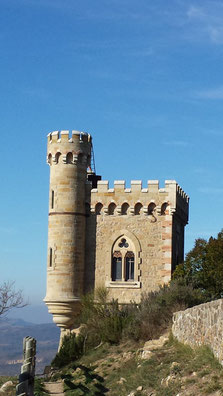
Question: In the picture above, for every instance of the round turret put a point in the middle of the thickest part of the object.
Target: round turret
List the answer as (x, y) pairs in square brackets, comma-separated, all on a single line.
[(69, 158)]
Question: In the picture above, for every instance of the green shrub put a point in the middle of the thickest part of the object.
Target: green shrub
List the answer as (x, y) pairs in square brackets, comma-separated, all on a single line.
[(71, 350), (106, 321), (103, 320), (39, 389), (154, 313)]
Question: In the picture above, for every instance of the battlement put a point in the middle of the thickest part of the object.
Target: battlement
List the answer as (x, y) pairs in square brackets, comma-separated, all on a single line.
[(67, 136), (170, 199), (136, 186), (69, 148)]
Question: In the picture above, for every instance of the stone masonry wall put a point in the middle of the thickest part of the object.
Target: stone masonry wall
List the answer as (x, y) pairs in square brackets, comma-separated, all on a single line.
[(151, 235), (202, 324)]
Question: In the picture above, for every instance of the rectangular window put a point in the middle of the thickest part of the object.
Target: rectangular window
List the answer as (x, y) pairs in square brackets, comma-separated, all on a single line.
[(51, 258), (52, 199)]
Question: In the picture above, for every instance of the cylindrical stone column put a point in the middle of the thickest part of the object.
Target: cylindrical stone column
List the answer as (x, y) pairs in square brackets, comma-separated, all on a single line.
[(68, 158)]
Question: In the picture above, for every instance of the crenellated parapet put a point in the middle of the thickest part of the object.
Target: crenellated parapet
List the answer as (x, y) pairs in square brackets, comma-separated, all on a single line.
[(69, 148), (120, 200)]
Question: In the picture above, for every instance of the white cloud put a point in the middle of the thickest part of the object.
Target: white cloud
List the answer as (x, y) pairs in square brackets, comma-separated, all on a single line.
[(206, 21), (216, 34), (212, 94), (195, 12)]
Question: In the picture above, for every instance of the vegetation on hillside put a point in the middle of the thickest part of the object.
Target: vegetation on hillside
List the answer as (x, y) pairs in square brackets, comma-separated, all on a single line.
[(119, 370), (105, 321)]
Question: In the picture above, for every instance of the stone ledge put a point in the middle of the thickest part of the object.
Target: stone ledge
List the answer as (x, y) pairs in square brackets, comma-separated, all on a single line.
[(121, 285)]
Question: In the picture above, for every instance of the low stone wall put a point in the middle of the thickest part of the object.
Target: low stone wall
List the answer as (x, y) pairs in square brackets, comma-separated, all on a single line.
[(201, 325)]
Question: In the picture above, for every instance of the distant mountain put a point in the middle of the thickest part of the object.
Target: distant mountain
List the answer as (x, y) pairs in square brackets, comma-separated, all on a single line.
[(12, 332), (14, 322)]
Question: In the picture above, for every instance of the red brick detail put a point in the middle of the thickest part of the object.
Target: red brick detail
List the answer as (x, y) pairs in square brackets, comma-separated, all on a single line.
[(166, 236), (166, 248)]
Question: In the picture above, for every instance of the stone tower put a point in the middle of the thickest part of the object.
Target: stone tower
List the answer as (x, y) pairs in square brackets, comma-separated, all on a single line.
[(69, 158)]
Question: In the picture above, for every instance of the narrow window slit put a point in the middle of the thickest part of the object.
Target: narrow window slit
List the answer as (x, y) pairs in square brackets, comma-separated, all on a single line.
[(52, 199), (51, 257)]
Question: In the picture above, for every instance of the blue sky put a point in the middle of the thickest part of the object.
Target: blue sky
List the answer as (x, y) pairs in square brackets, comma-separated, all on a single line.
[(143, 77)]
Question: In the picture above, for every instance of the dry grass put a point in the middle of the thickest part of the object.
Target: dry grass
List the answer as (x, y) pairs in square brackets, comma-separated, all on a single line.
[(118, 370)]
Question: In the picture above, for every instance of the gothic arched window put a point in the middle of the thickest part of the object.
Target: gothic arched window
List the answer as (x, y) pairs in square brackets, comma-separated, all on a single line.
[(123, 260)]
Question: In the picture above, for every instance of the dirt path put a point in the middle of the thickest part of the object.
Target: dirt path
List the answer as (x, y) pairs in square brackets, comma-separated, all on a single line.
[(54, 388)]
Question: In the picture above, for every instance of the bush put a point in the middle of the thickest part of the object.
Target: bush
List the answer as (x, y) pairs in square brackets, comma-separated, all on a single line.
[(103, 320), (39, 389), (106, 321), (71, 350), (154, 313)]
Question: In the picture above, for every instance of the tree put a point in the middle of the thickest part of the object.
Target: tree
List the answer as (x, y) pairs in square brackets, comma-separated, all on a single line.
[(10, 298), (203, 267)]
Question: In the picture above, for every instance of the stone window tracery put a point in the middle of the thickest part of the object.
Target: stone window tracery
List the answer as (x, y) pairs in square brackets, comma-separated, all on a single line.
[(123, 243), (123, 261)]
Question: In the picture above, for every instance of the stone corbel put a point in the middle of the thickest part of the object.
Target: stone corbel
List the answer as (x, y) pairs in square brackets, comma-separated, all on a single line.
[(172, 211), (119, 210), (158, 210), (75, 159), (145, 210), (132, 210)]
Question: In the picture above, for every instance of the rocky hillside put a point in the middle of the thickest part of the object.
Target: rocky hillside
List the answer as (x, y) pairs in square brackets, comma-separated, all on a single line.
[(12, 332), (162, 367)]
